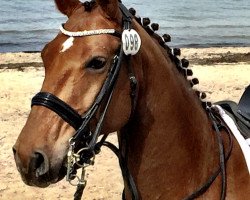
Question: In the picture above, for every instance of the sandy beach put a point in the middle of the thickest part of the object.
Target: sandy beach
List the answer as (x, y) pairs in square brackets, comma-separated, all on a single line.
[(223, 74)]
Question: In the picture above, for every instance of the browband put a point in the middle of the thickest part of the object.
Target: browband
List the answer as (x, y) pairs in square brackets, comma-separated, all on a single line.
[(89, 33)]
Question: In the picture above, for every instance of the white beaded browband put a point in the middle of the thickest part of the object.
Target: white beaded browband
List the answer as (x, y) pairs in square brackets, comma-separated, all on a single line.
[(86, 33)]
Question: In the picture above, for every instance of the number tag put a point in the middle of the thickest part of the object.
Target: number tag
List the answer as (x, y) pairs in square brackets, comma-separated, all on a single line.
[(131, 42)]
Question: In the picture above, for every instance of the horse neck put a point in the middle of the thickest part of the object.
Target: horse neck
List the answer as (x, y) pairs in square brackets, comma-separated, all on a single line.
[(170, 139)]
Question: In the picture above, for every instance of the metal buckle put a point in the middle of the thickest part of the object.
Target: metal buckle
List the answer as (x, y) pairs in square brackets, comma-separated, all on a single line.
[(75, 159)]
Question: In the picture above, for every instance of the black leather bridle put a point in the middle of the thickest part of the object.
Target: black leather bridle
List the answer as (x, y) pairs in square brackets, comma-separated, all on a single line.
[(84, 137)]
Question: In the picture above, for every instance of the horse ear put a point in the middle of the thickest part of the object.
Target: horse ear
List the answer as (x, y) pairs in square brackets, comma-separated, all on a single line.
[(110, 7), (66, 7)]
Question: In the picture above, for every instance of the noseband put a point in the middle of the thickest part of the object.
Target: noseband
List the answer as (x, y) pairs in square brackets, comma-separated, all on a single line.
[(84, 144)]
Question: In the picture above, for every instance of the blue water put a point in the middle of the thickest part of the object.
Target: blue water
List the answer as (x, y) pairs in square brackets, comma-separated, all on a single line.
[(27, 25)]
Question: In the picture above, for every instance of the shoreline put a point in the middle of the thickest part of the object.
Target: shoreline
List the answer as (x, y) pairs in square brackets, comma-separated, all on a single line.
[(196, 56)]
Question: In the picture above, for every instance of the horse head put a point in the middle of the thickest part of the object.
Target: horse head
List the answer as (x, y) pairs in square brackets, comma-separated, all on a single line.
[(75, 70)]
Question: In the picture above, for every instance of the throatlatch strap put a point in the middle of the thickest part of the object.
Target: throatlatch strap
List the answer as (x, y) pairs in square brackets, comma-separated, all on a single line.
[(52, 102)]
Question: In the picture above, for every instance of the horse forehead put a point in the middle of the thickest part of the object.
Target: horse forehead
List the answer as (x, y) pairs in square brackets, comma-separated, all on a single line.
[(79, 22)]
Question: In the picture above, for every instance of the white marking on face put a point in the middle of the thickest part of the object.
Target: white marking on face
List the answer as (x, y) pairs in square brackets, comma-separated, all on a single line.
[(67, 44)]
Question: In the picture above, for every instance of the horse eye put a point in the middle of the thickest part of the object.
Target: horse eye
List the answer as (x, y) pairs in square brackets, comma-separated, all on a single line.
[(96, 63)]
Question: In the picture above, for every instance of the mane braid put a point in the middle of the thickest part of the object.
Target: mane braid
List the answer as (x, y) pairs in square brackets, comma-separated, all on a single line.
[(181, 65), (88, 5)]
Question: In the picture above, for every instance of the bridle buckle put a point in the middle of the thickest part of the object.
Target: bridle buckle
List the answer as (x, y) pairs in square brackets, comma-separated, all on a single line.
[(74, 160)]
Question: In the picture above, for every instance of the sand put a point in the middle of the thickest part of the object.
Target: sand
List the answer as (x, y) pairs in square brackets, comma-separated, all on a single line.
[(224, 74)]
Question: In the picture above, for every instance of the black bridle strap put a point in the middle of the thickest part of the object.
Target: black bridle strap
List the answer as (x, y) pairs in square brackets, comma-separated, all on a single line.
[(92, 144), (222, 156), (106, 91), (109, 84), (133, 86), (58, 106), (126, 15)]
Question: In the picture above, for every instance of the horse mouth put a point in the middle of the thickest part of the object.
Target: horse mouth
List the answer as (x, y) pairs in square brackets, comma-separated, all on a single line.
[(52, 177)]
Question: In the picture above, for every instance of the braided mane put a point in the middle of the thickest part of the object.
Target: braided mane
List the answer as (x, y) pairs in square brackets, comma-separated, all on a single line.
[(181, 64)]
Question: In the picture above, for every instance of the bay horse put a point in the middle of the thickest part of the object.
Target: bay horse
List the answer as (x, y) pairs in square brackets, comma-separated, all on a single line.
[(168, 141)]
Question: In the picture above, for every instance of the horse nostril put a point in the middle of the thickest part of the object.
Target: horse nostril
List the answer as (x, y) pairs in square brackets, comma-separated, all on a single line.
[(39, 163), (39, 159)]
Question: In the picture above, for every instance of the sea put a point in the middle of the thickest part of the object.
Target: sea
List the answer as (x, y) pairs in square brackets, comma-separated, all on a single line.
[(27, 25)]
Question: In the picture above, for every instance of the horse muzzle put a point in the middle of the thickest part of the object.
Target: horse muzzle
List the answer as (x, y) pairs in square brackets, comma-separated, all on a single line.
[(36, 170)]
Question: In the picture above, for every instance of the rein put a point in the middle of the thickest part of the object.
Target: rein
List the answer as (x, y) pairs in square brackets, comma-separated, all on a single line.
[(217, 124)]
